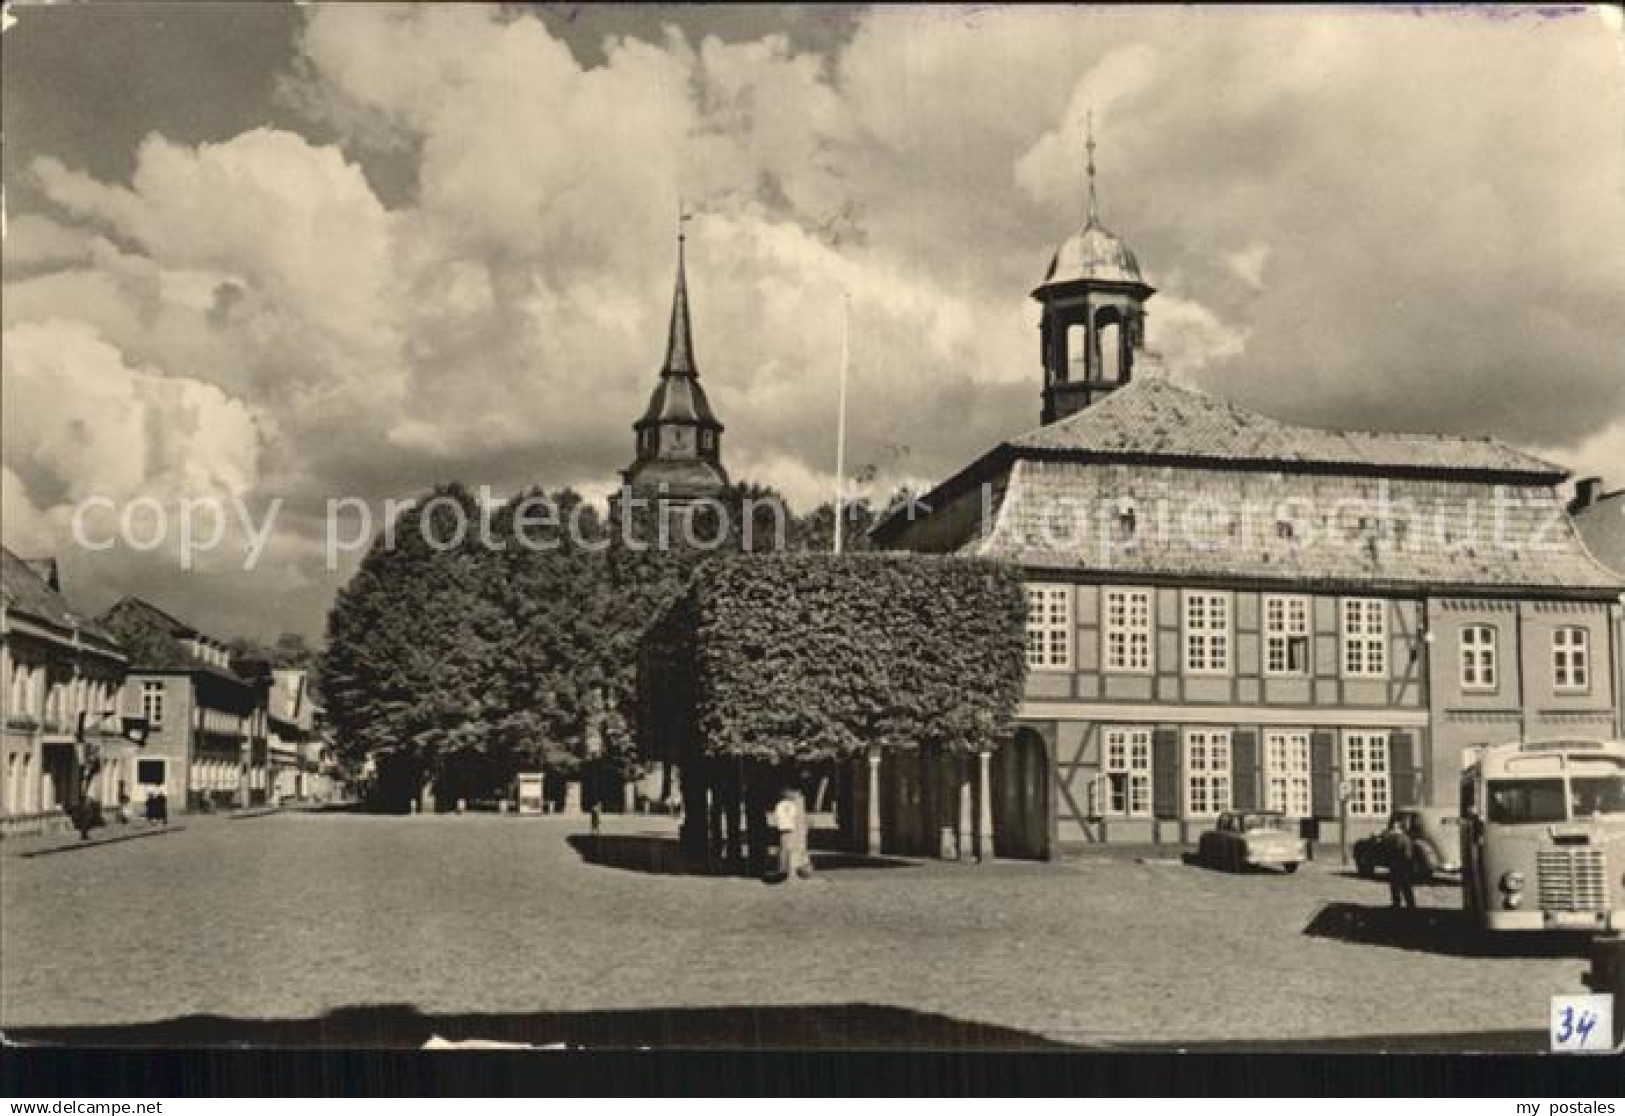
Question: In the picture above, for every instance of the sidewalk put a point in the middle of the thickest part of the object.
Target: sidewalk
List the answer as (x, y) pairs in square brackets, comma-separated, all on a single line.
[(67, 842)]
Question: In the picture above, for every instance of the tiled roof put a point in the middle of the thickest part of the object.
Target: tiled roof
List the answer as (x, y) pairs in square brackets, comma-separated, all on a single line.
[(1156, 418), (154, 637), (1055, 514), (26, 592), (149, 613)]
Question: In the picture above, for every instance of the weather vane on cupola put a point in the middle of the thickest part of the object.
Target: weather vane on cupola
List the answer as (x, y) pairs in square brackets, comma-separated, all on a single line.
[(1089, 147)]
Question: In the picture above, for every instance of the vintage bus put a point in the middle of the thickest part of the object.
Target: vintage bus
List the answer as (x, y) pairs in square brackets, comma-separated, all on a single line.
[(1543, 835)]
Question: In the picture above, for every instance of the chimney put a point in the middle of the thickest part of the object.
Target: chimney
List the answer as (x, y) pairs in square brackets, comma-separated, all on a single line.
[(1586, 490)]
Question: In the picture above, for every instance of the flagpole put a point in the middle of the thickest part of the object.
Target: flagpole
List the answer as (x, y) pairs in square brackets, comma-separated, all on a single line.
[(840, 424)]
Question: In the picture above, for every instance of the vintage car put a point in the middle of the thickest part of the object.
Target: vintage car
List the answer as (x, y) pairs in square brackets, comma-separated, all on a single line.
[(1437, 833), (1252, 839)]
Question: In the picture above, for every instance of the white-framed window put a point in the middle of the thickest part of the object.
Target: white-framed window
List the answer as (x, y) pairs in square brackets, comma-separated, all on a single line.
[(54, 694), (1286, 636), (152, 703), (1478, 658), (21, 704), (1207, 772), (1365, 638), (1286, 772), (1366, 771), (1125, 786), (1127, 630), (1049, 627), (1207, 633), (1571, 659)]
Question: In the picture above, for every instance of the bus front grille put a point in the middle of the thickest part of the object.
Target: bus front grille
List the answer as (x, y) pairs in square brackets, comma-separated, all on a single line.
[(1572, 879)]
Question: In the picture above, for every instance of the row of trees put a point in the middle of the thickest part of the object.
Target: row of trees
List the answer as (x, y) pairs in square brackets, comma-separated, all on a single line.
[(459, 665)]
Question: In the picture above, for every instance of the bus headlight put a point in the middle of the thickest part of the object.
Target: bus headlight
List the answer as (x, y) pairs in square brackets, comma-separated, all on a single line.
[(1512, 881)]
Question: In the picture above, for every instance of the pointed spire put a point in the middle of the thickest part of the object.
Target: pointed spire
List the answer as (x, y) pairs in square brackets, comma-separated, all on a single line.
[(680, 341), (1089, 146)]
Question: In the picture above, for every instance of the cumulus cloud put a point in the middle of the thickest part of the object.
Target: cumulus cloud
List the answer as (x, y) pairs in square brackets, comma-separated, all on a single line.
[(81, 422), (1381, 219)]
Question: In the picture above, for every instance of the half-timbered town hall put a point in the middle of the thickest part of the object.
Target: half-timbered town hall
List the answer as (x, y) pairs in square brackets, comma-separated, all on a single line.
[(1229, 611)]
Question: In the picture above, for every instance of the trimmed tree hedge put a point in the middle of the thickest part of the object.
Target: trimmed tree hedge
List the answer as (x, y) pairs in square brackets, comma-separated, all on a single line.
[(807, 658)]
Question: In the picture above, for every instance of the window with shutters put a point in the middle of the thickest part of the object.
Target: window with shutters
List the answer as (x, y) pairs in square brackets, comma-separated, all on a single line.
[(1366, 770), (1365, 638), (1125, 786), (1286, 636), (1286, 773), (1208, 774), (1127, 631), (1207, 633), (1049, 627), (1478, 665), (1571, 660), (152, 703)]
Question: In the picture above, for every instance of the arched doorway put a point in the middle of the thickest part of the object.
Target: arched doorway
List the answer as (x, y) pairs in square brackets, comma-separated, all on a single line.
[(1021, 797)]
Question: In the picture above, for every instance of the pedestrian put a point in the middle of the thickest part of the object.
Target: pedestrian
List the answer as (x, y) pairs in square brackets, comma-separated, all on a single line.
[(1399, 853), (800, 854), (787, 820), (123, 802)]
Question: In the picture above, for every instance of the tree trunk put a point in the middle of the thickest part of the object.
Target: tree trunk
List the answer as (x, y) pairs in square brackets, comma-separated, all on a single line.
[(757, 805), (734, 812), (696, 810)]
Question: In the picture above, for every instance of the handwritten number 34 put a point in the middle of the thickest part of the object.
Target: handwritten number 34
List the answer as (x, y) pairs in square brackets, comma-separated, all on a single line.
[(1568, 1029)]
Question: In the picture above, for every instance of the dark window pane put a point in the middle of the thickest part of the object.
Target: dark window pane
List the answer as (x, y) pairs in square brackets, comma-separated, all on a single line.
[(1527, 801)]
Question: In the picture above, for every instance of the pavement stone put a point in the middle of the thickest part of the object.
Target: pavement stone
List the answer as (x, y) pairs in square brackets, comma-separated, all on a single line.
[(344, 925)]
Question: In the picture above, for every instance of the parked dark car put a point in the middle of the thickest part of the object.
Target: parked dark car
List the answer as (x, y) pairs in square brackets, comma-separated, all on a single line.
[(1434, 829)]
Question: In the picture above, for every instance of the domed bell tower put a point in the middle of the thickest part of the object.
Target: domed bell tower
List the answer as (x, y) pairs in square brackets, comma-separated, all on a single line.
[(1093, 323)]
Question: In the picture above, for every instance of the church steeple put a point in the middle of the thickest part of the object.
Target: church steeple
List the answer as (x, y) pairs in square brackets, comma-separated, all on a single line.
[(1094, 297), (680, 340), (679, 440)]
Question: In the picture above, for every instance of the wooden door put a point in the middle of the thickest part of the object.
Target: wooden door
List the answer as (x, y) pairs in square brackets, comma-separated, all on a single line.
[(1021, 797)]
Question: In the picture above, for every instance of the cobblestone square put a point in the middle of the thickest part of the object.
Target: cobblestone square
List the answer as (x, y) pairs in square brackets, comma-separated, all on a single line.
[(371, 930)]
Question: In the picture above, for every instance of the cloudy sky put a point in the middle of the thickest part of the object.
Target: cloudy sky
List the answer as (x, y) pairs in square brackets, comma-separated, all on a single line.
[(308, 252)]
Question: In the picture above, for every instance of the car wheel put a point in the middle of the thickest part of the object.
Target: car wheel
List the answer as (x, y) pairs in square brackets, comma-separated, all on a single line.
[(1363, 865), (1290, 868)]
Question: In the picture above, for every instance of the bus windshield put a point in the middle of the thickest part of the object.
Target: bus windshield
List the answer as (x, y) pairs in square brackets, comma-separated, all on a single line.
[(1527, 801), (1597, 794)]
